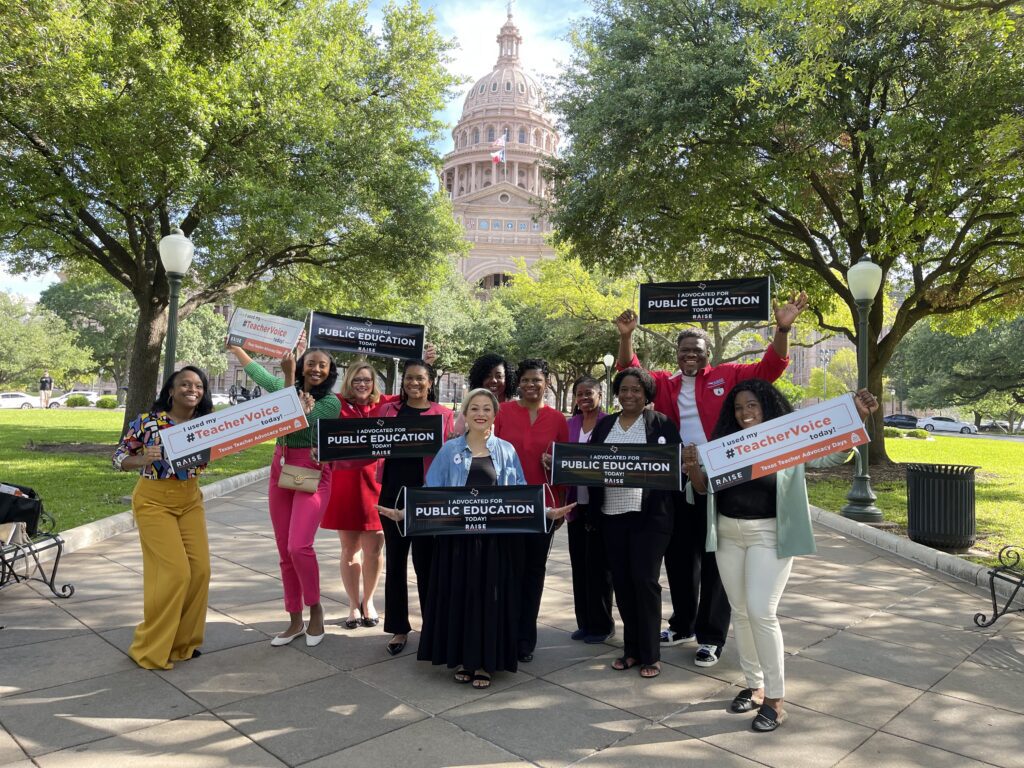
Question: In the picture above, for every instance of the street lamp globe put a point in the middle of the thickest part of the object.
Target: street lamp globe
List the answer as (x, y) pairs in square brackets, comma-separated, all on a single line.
[(864, 279), (608, 360), (176, 252)]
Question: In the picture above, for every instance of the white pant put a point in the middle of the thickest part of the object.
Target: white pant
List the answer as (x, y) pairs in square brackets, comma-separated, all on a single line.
[(754, 578)]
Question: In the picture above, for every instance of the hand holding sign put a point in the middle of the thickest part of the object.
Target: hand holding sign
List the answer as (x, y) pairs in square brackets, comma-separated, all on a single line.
[(392, 514), (557, 513), (865, 402), (151, 454)]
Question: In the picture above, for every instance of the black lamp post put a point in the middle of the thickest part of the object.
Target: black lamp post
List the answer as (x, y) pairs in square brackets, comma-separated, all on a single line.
[(608, 361), (864, 279), (176, 252)]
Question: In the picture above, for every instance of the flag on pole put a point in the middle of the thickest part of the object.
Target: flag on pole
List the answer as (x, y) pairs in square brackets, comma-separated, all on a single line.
[(498, 156)]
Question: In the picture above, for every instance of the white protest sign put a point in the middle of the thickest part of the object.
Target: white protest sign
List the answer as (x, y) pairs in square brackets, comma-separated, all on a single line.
[(263, 334), (233, 429), (795, 438)]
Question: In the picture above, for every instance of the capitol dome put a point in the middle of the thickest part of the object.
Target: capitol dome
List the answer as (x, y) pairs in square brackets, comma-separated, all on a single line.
[(494, 174)]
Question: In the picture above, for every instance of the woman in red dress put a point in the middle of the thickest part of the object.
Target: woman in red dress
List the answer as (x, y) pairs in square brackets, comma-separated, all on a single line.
[(352, 510)]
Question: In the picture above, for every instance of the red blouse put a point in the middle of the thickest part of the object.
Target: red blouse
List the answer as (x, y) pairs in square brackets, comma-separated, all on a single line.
[(531, 440)]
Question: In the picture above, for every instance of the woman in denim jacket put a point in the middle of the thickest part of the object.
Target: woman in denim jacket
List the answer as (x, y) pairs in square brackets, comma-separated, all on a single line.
[(471, 614)]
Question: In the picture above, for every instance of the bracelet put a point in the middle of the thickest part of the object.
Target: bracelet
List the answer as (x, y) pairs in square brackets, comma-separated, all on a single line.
[(780, 329)]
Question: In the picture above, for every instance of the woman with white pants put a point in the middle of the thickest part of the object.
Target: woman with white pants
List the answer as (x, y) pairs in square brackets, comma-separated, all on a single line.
[(755, 529)]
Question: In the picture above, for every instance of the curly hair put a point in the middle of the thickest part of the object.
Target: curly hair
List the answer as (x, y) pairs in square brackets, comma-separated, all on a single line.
[(694, 333), (323, 389), (773, 404), (481, 368), (431, 374), (646, 381), (163, 400), (532, 364)]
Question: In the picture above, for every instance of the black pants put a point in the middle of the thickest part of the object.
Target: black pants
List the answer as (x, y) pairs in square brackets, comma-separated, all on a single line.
[(699, 604), (396, 574), (591, 579), (535, 566), (635, 543)]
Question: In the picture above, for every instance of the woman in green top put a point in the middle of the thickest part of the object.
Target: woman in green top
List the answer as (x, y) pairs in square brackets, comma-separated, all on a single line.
[(296, 515)]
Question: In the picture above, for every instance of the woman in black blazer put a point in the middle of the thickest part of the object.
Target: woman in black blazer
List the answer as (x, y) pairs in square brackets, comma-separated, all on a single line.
[(637, 523)]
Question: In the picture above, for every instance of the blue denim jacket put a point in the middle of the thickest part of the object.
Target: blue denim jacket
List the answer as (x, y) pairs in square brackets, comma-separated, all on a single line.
[(450, 467)]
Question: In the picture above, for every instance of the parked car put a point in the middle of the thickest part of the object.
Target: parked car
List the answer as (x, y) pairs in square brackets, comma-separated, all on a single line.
[(17, 400), (220, 398), (901, 420), (946, 424), (60, 402)]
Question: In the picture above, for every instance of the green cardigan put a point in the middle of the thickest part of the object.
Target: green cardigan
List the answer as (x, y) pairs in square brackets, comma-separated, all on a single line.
[(328, 407), (793, 528)]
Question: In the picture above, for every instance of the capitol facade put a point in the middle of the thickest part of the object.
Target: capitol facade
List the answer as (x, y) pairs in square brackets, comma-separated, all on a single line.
[(498, 200)]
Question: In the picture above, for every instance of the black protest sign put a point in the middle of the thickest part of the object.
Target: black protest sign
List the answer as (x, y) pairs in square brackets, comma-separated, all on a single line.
[(707, 300), (655, 467), (378, 438), (496, 509), (345, 333)]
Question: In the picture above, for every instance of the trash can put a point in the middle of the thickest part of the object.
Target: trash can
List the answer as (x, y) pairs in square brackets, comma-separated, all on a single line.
[(940, 505)]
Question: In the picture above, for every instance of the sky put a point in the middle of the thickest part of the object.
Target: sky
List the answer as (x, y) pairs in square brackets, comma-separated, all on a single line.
[(473, 25)]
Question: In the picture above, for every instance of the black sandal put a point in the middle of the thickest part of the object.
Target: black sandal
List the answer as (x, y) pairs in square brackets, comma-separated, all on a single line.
[(623, 663), (462, 676), (744, 702), (395, 647), (481, 680), (767, 719), (649, 671)]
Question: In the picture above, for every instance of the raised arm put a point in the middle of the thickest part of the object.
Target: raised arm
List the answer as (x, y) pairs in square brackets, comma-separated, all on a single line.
[(626, 324), (785, 315)]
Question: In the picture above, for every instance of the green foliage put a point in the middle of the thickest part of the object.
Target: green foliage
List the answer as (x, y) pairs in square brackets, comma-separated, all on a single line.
[(291, 141), (107, 401), (75, 479), (823, 387), (76, 401), (201, 341), (794, 393), (33, 339), (920, 434), (892, 432), (794, 138)]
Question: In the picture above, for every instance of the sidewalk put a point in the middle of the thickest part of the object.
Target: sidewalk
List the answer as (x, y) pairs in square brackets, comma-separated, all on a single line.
[(885, 671)]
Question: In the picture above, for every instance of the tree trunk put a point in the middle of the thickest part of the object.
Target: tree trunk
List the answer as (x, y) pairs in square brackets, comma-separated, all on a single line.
[(144, 365)]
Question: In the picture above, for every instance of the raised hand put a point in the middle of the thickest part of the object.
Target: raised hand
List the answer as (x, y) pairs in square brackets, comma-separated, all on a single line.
[(429, 353), (866, 403), (626, 322), (288, 367), (786, 314), (300, 344)]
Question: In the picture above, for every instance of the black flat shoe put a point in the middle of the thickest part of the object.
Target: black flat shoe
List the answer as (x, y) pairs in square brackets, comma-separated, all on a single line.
[(371, 621), (352, 623), (744, 702), (526, 658), (767, 720), (395, 647)]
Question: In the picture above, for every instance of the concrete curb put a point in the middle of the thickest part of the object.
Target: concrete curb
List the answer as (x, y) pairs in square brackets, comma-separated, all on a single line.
[(98, 530), (943, 562)]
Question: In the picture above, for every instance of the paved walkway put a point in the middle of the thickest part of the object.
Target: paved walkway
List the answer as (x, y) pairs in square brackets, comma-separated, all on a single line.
[(883, 671)]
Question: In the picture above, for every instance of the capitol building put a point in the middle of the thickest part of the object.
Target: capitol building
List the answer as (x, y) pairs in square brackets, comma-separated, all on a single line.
[(498, 204)]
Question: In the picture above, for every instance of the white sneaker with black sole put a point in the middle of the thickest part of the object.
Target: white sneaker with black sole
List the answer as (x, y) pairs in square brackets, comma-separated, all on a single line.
[(707, 655), (669, 638)]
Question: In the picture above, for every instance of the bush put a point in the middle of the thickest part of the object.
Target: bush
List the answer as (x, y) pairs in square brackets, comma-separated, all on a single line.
[(892, 432), (920, 434), (107, 401), (76, 401)]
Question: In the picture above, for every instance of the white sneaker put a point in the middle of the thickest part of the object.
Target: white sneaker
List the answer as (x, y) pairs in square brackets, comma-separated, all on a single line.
[(707, 655), (669, 638)]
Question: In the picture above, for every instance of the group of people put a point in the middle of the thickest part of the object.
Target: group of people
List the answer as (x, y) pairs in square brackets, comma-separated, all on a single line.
[(727, 555)]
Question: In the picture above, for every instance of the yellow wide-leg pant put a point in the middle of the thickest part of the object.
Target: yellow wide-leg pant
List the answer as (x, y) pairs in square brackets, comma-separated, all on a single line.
[(175, 571)]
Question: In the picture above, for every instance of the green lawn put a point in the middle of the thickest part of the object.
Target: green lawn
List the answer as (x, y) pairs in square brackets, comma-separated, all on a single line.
[(78, 487), (999, 490)]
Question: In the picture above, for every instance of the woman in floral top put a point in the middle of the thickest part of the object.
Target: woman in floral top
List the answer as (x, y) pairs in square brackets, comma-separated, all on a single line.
[(296, 515), (168, 509)]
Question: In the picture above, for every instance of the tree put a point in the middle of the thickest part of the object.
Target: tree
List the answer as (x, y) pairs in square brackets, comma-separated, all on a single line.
[(286, 139), (942, 370), (33, 340), (104, 316), (796, 138)]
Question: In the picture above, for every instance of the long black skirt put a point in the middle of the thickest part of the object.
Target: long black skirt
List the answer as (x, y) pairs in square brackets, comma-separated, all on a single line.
[(471, 617)]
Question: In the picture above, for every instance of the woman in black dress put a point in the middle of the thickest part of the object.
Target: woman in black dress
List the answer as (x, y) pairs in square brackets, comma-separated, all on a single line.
[(471, 614)]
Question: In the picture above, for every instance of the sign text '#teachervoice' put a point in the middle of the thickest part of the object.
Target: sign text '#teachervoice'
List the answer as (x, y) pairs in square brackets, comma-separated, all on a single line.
[(815, 429), (257, 327), (263, 415)]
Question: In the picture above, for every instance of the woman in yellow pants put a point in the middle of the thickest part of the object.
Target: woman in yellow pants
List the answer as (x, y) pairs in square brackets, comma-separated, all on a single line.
[(168, 509)]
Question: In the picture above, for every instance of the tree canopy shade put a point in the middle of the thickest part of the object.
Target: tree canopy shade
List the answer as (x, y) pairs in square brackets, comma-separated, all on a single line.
[(277, 135), (797, 137)]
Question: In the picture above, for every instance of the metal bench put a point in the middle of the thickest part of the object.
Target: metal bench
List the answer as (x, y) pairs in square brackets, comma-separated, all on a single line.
[(1009, 570), (22, 562)]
